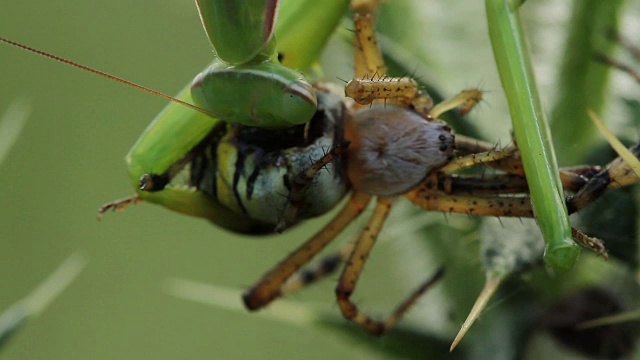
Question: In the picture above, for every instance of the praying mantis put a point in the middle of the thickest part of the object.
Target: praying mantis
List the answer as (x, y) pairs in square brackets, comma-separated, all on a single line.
[(135, 179)]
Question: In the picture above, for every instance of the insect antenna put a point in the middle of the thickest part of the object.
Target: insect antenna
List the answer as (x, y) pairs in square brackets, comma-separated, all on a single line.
[(106, 75)]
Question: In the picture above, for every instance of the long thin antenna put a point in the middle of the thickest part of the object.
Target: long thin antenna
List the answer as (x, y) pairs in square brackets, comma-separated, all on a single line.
[(108, 76)]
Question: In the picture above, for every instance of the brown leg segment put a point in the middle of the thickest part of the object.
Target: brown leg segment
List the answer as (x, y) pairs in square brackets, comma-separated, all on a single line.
[(474, 159), (353, 269), (462, 200), (368, 60), (590, 242), (467, 99), (468, 145), (371, 81), (268, 288), (325, 267), (573, 178), (119, 205), (511, 206), (516, 206)]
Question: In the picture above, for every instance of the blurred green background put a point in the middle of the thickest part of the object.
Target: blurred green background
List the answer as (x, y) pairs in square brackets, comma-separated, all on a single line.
[(68, 161)]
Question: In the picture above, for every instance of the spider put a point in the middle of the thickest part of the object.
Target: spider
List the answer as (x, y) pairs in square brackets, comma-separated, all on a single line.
[(398, 147)]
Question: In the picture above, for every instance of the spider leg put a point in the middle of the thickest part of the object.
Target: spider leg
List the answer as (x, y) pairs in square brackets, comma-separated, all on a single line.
[(300, 186), (323, 268), (371, 81), (511, 206), (461, 195), (268, 287), (353, 269), (466, 98), (474, 159), (368, 60), (463, 199), (573, 178), (466, 145)]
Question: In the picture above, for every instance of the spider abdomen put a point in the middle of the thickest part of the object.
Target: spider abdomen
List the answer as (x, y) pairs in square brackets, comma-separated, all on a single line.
[(393, 149)]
